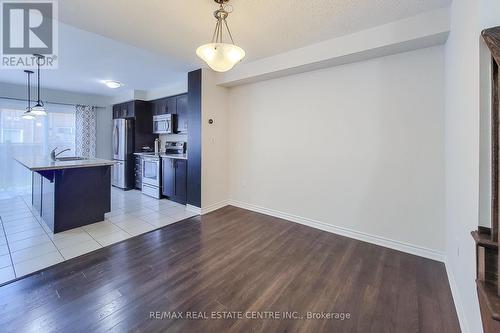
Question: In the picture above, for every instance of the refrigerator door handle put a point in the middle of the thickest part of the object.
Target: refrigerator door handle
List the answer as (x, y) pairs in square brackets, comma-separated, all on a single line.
[(115, 141)]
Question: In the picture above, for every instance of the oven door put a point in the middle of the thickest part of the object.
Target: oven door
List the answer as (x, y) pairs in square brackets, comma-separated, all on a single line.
[(151, 171)]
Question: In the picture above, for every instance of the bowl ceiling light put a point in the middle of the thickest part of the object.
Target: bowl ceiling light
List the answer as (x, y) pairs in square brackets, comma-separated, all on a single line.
[(220, 56), (112, 84)]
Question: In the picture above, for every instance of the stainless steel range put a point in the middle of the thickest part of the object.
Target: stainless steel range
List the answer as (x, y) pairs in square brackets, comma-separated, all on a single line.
[(151, 175), (152, 168)]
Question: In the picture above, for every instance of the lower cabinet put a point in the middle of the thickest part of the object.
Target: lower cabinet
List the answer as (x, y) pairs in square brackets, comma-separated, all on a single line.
[(138, 172), (174, 172), (168, 177)]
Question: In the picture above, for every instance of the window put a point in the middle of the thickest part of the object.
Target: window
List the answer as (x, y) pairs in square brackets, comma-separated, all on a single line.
[(22, 137), (10, 135)]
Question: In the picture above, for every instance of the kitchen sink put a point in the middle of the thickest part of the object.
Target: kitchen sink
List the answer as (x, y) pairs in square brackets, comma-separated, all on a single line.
[(70, 158)]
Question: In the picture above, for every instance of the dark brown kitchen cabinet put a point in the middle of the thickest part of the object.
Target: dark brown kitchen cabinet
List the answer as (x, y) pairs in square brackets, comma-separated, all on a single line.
[(117, 112), (171, 105), (155, 107), (158, 106), (168, 177), (177, 105), (124, 110), (180, 189), (164, 106), (141, 112), (182, 114), (138, 172), (174, 174)]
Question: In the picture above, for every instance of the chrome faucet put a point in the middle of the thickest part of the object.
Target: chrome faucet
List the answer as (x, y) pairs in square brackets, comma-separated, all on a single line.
[(53, 154)]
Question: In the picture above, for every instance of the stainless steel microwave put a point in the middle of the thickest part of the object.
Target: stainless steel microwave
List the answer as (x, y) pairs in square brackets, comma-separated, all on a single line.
[(163, 124)]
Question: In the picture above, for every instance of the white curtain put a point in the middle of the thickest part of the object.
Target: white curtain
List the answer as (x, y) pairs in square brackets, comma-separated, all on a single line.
[(85, 130)]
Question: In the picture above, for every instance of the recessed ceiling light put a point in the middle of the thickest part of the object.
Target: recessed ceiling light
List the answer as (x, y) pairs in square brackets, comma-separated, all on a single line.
[(112, 84)]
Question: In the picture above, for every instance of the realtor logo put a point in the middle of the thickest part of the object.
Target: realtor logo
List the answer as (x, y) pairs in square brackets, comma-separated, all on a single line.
[(28, 27)]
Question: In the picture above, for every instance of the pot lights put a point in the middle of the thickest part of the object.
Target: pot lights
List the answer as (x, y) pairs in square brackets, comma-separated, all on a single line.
[(221, 56)]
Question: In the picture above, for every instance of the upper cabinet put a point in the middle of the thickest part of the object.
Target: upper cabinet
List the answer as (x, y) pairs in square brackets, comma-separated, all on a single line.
[(177, 105), (164, 106), (123, 110), (141, 112), (182, 114)]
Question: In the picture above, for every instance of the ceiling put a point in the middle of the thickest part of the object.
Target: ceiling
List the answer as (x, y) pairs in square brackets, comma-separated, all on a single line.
[(262, 28), (86, 59), (150, 44)]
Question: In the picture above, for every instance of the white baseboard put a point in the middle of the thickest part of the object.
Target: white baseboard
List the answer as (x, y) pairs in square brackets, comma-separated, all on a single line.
[(392, 244), (378, 240), (193, 209), (464, 326), (215, 206)]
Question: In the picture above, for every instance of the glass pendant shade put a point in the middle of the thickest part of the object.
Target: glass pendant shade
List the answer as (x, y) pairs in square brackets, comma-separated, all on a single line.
[(28, 115), (38, 110), (220, 57)]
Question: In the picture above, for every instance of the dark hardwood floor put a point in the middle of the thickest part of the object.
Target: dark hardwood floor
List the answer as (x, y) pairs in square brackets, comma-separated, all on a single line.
[(233, 261)]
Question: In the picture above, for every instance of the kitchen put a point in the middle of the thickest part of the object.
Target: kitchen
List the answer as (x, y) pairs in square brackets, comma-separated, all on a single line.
[(157, 146), (80, 204), (160, 171)]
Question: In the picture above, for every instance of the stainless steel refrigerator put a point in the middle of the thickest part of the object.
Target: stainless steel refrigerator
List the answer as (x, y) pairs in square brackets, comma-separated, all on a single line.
[(123, 153)]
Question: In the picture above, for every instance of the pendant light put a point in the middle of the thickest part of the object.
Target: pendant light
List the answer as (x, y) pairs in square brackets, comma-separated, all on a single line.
[(39, 109), (28, 114), (221, 56)]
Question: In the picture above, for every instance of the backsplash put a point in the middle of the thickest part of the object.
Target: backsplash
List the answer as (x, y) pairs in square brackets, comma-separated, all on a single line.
[(173, 137)]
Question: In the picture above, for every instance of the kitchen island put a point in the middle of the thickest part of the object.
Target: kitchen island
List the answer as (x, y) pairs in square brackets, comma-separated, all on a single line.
[(70, 193)]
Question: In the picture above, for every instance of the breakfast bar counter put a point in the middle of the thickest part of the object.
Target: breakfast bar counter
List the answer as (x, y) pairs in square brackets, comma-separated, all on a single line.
[(70, 193)]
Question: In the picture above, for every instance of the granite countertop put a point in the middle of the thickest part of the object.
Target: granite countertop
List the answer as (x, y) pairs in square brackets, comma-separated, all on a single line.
[(175, 156), (145, 154), (41, 163)]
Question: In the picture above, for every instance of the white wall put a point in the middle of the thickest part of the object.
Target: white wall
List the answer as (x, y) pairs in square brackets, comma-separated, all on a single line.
[(424, 30), (214, 141), (463, 104), (462, 156), (360, 146)]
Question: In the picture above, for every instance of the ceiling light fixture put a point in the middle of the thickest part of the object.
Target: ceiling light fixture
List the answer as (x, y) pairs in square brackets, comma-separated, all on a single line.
[(221, 56), (112, 84), (28, 114), (39, 108)]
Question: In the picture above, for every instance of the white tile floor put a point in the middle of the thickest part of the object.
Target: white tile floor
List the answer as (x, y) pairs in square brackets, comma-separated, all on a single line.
[(28, 245)]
